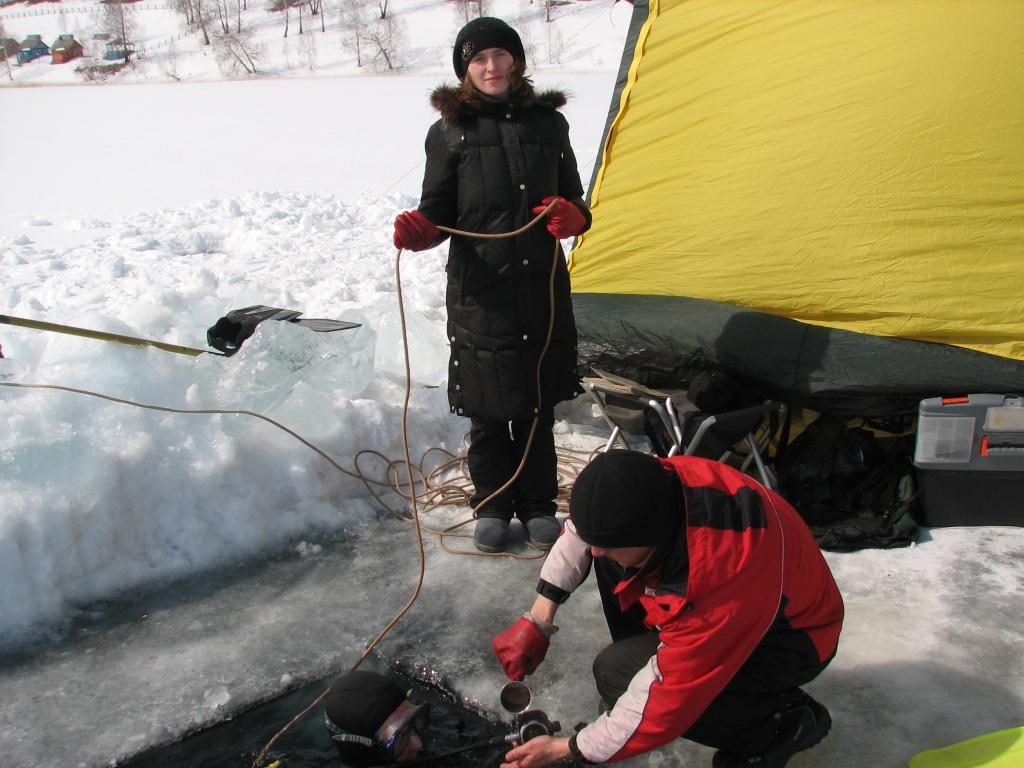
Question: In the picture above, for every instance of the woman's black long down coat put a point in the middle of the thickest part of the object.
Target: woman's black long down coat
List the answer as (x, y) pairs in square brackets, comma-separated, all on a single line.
[(488, 163)]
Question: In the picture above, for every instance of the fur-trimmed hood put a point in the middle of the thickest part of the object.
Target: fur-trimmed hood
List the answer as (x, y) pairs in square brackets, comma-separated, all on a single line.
[(452, 103)]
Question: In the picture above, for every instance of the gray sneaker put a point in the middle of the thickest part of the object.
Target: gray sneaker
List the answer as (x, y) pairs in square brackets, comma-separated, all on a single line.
[(543, 531), (489, 534)]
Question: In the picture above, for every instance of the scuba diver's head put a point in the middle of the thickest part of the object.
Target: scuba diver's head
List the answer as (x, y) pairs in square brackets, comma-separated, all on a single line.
[(626, 499), (372, 722)]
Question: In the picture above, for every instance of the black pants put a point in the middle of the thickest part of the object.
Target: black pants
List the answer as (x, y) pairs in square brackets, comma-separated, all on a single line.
[(495, 450), (742, 717)]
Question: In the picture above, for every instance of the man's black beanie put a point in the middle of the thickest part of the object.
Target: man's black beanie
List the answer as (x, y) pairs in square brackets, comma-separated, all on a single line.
[(480, 34), (359, 704), (626, 499)]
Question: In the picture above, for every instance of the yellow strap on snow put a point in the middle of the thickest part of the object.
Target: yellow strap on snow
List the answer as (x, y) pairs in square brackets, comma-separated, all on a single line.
[(855, 164)]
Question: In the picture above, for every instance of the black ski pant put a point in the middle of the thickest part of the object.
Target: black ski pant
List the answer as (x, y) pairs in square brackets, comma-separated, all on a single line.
[(742, 717), (495, 450)]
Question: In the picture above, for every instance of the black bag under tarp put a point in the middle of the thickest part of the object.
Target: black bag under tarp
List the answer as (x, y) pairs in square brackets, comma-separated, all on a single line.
[(855, 490)]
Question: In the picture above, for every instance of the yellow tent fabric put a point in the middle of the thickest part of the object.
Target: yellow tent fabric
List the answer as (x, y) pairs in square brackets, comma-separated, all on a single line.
[(856, 164)]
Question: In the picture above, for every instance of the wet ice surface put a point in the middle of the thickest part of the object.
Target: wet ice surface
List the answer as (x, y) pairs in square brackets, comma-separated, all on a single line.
[(929, 656)]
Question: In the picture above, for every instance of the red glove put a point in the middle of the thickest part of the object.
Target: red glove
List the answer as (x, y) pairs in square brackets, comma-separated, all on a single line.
[(414, 231), (520, 649), (565, 219)]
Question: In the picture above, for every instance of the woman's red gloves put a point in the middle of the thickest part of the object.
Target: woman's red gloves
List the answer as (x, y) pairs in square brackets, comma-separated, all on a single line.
[(414, 231), (520, 649), (565, 219)]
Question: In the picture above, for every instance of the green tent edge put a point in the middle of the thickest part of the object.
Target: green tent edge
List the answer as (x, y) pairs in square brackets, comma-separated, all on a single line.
[(1001, 749)]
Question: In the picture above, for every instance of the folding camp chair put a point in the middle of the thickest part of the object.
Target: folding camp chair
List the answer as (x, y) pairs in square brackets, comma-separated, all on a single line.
[(674, 425)]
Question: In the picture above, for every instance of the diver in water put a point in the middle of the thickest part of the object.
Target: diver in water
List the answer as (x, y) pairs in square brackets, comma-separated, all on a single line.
[(373, 722)]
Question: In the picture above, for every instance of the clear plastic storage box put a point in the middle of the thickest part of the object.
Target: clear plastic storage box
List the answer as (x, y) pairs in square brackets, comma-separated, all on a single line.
[(970, 460)]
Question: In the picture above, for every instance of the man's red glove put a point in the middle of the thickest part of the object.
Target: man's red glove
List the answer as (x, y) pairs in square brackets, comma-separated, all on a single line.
[(414, 231), (565, 219), (520, 649)]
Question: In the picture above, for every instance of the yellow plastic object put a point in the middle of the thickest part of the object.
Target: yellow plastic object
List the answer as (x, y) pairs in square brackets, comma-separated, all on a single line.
[(1002, 749), (850, 164)]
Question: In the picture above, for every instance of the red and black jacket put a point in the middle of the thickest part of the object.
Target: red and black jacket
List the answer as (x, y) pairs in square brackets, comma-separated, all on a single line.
[(746, 569)]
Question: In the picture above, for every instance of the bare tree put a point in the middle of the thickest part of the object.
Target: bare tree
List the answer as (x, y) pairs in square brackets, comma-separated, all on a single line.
[(382, 6), (529, 46), (351, 12), (556, 44), (237, 52), (315, 7), (186, 9), (202, 14), (119, 21), (169, 63), (387, 38), (222, 13), (307, 49), (4, 53), (197, 14), (467, 10), (285, 4)]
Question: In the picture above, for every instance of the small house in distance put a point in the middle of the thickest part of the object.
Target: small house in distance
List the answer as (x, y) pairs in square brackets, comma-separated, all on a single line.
[(32, 47), (9, 48), (119, 49), (66, 48)]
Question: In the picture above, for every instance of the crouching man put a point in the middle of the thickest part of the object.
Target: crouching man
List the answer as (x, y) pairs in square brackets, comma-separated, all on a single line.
[(719, 603)]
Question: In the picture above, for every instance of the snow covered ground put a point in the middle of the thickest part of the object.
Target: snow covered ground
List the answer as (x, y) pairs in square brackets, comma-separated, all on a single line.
[(162, 571)]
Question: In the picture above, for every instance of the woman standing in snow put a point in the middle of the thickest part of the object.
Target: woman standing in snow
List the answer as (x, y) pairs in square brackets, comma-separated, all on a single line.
[(498, 156)]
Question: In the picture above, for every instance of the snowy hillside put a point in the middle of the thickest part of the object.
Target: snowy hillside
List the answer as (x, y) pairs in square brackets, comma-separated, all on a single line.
[(416, 37)]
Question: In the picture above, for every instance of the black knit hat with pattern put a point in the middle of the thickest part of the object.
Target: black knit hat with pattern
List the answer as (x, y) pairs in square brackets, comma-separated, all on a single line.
[(626, 499), (480, 34), (358, 704)]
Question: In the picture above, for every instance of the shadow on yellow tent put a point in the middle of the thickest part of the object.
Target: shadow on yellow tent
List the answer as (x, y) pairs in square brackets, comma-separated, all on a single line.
[(1002, 749)]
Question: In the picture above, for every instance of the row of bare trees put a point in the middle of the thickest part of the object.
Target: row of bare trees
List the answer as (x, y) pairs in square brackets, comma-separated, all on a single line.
[(375, 37)]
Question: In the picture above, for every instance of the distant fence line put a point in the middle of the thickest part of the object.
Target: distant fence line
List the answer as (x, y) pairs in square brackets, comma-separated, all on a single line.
[(145, 48), (4, 15)]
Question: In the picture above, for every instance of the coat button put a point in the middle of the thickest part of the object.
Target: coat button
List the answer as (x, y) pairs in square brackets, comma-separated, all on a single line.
[(458, 387), (452, 338), (525, 336), (455, 363), (460, 411), (526, 262), (508, 115), (522, 186)]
